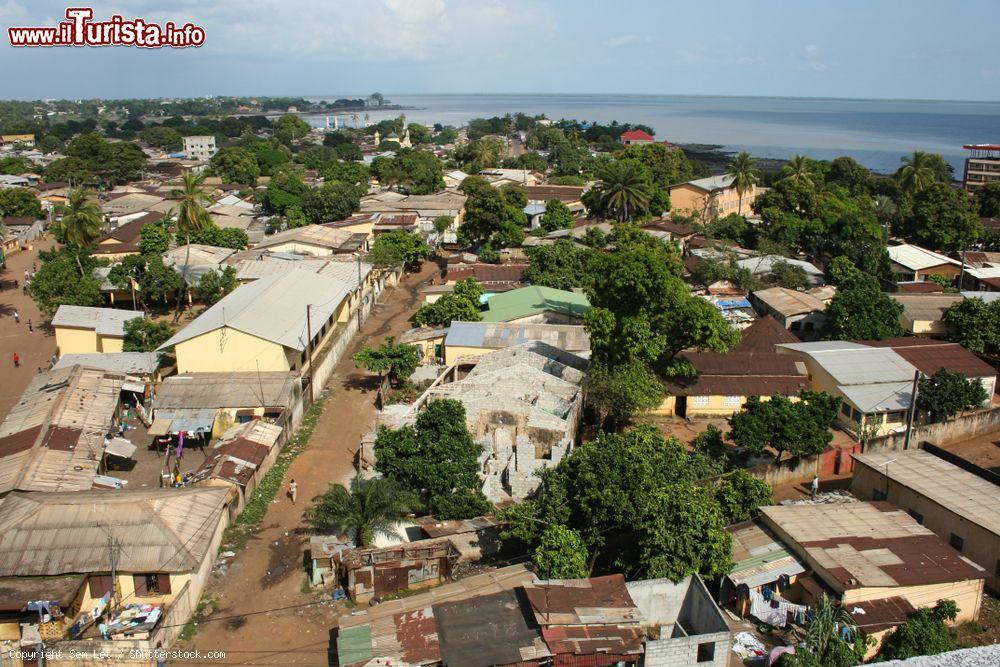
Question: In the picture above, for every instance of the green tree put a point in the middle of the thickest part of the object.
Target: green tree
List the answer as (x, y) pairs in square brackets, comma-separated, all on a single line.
[(975, 324), (71, 170), (142, 335), (947, 393), (213, 285), (191, 217), (789, 276), (618, 394), (560, 554), (213, 235), (393, 360), (562, 265), (924, 633), (369, 508), (80, 225), (285, 189), (162, 136), (860, 310), (917, 172), (667, 165), (942, 218), (799, 427), (492, 214), (349, 152), (331, 202), (825, 645), (234, 164), (988, 199), (624, 190), (798, 168), (398, 248), (461, 305), (733, 227), (739, 494), (290, 127), (557, 216), (437, 459), (65, 277), (19, 202), (743, 170), (154, 238)]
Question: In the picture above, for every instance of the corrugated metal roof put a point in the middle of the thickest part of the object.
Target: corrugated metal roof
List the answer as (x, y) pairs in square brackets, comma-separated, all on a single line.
[(916, 258), (961, 492), (569, 337), (317, 235), (853, 363), (925, 307), (160, 530), (881, 397), (226, 390), (789, 302), (272, 308), (534, 300), (142, 363), (105, 321)]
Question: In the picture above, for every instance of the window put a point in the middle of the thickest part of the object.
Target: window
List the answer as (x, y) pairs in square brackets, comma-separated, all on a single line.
[(845, 409), (956, 542), (878, 495), (733, 401), (151, 584), (706, 652), (917, 516), (99, 585), (699, 401)]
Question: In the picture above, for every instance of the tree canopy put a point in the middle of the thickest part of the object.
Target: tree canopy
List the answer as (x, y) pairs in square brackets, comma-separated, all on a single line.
[(461, 305), (142, 335), (924, 633), (798, 427), (975, 324), (946, 393), (393, 360), (398, 248), (860, 310), (367, 509)]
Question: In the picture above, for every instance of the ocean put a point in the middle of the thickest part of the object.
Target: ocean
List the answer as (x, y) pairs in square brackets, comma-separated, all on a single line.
[(876, 133)]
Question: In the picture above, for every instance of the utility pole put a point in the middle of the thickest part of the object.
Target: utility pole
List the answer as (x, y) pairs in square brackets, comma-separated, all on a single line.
[(312, 390), (360, 294), (961, 272), (913, 409), (113, 547)]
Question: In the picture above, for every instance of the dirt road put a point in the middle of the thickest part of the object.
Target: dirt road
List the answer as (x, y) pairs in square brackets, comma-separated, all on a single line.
[(35, 348), (269, 573)]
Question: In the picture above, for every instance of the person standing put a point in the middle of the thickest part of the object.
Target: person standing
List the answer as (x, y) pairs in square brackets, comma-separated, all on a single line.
[(31, 329), (815, 487), (293, 490), (17, 360), (17, 317)]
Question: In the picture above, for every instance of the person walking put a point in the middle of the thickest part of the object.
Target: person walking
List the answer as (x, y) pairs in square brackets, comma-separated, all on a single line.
[(27, 274), (31, 329), (17, 317), (815, 487), (293, 490), (17, 360)]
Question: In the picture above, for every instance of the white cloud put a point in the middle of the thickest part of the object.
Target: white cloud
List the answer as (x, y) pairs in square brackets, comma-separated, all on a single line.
[(811, 59), (623, 40)]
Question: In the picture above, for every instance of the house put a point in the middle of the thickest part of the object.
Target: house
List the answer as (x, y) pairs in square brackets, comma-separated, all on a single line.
[(507, 617), (960, 506), (498, 177), (21, 231), (82, 329), (454, 178), (375, 572), (429, 340), (121, 206), (802, 313), (537, 305), (910, 262), (467, 340), (493, 278), (267, 325), (711, 197), (767, 264), (571, 195), (450, 203), (200, 147), (124, 239), (17, 140), (239, 461), (315, 240), (929, 356), (194, 260), (143, 365), (723, 382), (636, 138), (12, 181), (53, 439), (986, 279), (140, 560), (922, 313), (865, 552), (218, 401), (522, 404)]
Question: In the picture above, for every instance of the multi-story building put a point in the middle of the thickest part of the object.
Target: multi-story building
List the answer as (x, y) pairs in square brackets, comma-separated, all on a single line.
[(199, 147), (982, 165)]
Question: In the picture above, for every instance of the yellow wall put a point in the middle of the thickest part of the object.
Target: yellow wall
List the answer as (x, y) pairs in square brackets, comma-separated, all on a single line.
[(110, 343), (687, 198), (302, 249), (923, 327), (76, 341), (453, 352), (227, 350), (126, 591)]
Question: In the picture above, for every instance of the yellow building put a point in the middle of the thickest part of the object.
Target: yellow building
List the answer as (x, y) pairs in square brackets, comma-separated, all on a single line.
[(82, 330), (317, 240), (160, 543), (22, 140), (711, 197), (265, 325)]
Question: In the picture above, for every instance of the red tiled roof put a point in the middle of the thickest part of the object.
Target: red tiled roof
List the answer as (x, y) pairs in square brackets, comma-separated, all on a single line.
[(739, 385), (950, 356), (637, 135), (743, 363), (555, 597), (595, 640), (763, 335)]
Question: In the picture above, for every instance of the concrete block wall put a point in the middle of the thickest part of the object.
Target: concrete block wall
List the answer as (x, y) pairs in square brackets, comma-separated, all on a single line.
[(683, 651)]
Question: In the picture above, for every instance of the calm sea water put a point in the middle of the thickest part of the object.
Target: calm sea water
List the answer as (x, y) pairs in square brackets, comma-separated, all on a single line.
[(874, 132)]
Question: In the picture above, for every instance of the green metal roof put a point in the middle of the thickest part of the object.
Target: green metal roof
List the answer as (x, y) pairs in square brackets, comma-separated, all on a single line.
[(354, 644), (527, 301)]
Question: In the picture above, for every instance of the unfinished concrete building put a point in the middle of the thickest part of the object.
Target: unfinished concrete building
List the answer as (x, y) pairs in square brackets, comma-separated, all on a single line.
[(522, 404)]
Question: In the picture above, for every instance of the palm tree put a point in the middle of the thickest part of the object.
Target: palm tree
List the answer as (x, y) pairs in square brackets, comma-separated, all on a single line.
[(624, 190), (799, 168), (81, 223), (743, 169), (369, 508), (825, 624), (916, 173), (191, 217)]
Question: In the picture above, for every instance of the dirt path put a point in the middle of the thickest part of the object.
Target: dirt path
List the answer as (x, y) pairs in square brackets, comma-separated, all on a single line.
[(269, 573), (35, 348)]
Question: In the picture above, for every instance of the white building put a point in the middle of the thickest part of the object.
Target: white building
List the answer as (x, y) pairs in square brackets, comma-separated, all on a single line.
[(199, 147)]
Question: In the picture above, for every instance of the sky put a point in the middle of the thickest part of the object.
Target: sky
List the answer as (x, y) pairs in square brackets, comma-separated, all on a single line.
[(894, 49)]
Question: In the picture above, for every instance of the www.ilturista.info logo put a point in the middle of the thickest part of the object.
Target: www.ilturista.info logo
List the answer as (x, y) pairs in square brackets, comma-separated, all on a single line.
[(79, 30)]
